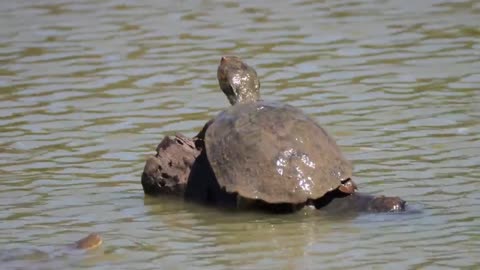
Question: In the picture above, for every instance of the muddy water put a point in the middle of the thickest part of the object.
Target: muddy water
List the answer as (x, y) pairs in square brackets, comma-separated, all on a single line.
[(88, 88)]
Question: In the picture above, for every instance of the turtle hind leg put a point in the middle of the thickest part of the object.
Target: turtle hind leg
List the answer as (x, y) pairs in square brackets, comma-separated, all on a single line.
[(348, 186), (328, 198)]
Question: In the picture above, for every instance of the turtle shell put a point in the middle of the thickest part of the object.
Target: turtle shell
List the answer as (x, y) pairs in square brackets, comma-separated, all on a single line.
[(273, 152)]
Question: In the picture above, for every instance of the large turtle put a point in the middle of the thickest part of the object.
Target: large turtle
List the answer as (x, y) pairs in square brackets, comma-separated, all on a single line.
[(265, 154)]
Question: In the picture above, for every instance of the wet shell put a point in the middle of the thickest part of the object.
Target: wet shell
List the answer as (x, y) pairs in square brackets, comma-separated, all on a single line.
[(273, 152)]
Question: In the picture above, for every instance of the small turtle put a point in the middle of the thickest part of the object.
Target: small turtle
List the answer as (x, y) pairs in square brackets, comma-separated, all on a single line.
[(264, 154), (46, 253), (89, 242)]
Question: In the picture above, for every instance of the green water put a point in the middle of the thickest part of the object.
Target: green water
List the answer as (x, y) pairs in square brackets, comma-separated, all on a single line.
[(88, 88)]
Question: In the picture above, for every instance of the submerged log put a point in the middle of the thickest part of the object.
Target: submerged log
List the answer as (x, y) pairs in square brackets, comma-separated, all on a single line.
[(167, 173)]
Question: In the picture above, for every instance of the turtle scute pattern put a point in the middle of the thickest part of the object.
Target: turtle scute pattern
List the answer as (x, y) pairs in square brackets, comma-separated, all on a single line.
[(273, 152)]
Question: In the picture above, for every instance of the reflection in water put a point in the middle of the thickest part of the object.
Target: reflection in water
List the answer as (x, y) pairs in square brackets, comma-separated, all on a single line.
[(87, 89)]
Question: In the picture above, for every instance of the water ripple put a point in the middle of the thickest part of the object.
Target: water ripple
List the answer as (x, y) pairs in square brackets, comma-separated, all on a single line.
[(87, 90)]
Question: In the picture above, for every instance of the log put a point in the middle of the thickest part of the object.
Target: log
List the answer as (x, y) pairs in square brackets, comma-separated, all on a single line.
[(166, 173)]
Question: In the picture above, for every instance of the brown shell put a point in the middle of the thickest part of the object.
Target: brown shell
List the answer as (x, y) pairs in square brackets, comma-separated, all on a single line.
[(274, 152), (91, 241)]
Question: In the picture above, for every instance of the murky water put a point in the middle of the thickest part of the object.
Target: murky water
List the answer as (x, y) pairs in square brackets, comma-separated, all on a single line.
[(88, 88)]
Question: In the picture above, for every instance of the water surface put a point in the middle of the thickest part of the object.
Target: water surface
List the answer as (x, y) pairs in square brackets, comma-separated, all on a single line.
[(88, 88)]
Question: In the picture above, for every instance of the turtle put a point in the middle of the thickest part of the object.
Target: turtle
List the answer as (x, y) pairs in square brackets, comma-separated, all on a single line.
[(90, 242), (264, 154)]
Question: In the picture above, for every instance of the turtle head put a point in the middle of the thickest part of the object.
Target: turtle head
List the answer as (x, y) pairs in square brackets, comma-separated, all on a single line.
[(238, 80)]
